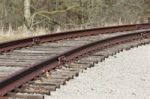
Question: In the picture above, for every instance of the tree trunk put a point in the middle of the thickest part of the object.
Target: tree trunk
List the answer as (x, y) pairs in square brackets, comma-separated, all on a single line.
[(27, 12)]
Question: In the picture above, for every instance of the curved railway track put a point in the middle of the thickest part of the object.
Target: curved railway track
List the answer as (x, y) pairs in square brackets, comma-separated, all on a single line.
[(32, 67)]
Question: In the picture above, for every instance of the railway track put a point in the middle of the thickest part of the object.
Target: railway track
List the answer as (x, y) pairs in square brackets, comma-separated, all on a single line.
[(33, 67)]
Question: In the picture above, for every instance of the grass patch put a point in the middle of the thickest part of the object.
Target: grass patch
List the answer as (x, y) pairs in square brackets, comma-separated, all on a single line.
[(20, 33)]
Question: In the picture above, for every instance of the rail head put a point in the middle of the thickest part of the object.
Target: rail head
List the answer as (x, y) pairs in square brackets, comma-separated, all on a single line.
[(30, 73)]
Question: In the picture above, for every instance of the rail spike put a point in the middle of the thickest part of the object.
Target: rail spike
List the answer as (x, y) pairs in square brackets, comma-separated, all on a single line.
[(36, 41), (62, 60)]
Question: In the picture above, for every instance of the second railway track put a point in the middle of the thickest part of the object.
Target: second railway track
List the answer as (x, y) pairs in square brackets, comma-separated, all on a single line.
[(33, 71)]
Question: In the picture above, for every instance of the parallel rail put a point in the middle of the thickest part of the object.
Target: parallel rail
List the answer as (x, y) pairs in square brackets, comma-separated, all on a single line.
[(29, 73)]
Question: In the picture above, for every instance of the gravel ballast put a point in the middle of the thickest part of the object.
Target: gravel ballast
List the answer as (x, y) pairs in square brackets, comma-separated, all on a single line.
[(123, 76)]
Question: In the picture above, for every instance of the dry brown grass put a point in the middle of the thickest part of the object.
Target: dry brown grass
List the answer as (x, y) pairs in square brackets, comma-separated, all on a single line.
[(20, 33)]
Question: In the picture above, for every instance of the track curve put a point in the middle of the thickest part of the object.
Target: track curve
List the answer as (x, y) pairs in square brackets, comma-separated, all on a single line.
[(62, 58)]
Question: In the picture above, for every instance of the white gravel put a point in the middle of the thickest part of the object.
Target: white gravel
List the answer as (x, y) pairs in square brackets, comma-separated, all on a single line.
[(124, 76)]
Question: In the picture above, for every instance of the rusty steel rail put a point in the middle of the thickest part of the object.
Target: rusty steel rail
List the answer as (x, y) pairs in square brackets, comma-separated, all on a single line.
[(65, 35), (21, 77)]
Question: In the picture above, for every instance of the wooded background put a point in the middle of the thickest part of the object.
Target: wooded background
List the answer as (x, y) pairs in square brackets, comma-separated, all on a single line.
[(52, 14)]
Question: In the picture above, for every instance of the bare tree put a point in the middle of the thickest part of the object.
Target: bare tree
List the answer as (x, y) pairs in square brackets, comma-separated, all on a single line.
[(27, 12), (51, 14)]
